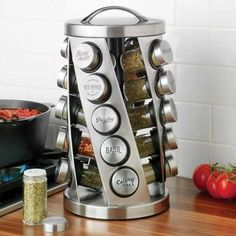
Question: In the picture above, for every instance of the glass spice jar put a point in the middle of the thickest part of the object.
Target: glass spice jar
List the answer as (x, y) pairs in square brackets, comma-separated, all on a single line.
[(90, 177), (76, 111), (83, 147), (148, 144), (160, 54), (136, 88), (141, 117), (34, 196)]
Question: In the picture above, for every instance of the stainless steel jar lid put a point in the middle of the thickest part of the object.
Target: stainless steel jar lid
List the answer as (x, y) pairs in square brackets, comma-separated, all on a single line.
[(61, 138), (171, 166), (169, 111), (62, 171), (55, 224), (169, 139), (61, 111), (137, 26), (165, 83), (64, 47), (62, 78)]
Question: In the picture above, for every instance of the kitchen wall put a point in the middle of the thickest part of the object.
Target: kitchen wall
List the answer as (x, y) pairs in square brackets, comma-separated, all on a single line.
[(201, 32)]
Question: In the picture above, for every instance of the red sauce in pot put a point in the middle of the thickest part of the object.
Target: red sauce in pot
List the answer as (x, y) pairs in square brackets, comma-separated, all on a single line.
[(17, 113)]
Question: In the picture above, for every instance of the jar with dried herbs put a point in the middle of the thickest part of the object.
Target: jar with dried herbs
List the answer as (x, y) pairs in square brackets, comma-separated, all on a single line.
[(136, 89), (34, 196), (90, 177), (148, 144), (160, 53), (141, 117)]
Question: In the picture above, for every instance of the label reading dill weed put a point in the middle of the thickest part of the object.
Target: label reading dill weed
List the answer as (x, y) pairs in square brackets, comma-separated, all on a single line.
[(34, 196)]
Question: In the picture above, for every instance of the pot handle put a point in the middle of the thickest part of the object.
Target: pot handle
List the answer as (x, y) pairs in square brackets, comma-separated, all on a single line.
[(88, 18)]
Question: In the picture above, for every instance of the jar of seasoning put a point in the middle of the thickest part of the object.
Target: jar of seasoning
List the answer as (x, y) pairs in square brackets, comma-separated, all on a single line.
[(136, 87), (160, 54), (148, 144), (62, 80), (168, 111), (83, 145), (77, 114), (89, 176), (34, 196), (141, 117)]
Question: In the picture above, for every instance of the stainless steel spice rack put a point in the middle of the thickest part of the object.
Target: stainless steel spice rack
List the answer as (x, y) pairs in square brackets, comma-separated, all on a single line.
[(94, 52)]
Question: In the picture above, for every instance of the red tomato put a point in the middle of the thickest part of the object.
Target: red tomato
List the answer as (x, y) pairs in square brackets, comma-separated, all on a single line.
[(226, 185), (200, 176), (211, 184)]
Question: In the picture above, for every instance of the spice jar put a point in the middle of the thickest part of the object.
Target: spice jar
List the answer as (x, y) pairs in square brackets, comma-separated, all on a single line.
[(77, 114), (82, 147), (160, 54), (88, 175), (136, 88), (141, 117), (34, 196)]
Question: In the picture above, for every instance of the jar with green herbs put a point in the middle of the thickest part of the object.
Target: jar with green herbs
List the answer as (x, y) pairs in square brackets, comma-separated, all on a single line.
[(89, 176), (136, 86), (160, 53), (136, 89), (141, 117), (34, 196), (148, 144)]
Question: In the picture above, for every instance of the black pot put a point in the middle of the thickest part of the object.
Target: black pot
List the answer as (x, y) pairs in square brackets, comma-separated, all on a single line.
[(23, 140)]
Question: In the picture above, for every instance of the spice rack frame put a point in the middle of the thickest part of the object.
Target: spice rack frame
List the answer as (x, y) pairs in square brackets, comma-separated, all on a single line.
[(147, 200)]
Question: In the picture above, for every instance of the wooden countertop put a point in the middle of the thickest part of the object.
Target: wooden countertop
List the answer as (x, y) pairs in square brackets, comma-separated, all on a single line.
[(191, 213)]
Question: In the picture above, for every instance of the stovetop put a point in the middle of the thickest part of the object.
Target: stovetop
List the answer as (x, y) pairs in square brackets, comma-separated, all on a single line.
[(11, 185)]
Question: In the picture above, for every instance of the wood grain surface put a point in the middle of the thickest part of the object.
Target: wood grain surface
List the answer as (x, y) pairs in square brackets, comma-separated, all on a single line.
[(191, 213)]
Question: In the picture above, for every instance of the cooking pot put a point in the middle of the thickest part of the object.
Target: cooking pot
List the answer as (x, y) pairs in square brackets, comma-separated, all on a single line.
[(24, 139)]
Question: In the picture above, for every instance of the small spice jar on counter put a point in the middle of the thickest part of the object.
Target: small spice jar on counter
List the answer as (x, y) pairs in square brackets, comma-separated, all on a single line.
[(34, 196), (160, 54), (141, 117)]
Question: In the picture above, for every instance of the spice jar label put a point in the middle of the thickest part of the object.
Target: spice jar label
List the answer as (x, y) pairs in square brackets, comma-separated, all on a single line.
[(114, 150), (124, 182), (105, 119), (95, 88)]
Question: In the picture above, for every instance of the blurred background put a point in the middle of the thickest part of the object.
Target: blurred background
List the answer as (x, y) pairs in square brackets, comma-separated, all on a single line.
[(202, 34)]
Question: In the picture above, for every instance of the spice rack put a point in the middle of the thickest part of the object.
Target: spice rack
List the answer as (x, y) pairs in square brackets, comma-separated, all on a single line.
[(100, 57)]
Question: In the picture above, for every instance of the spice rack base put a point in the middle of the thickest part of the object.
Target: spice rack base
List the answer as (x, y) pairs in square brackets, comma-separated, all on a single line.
[(98, 209)]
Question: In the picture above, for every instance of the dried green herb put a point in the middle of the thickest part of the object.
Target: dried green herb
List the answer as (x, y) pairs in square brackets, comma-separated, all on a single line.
[(145, 145), (91, 178), (136, 90), (35, 199), (132, 61), (140, 117)]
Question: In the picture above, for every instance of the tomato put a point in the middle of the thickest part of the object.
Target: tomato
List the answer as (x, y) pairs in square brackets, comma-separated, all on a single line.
[(226, 185), (200, 176), (211, 184)]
